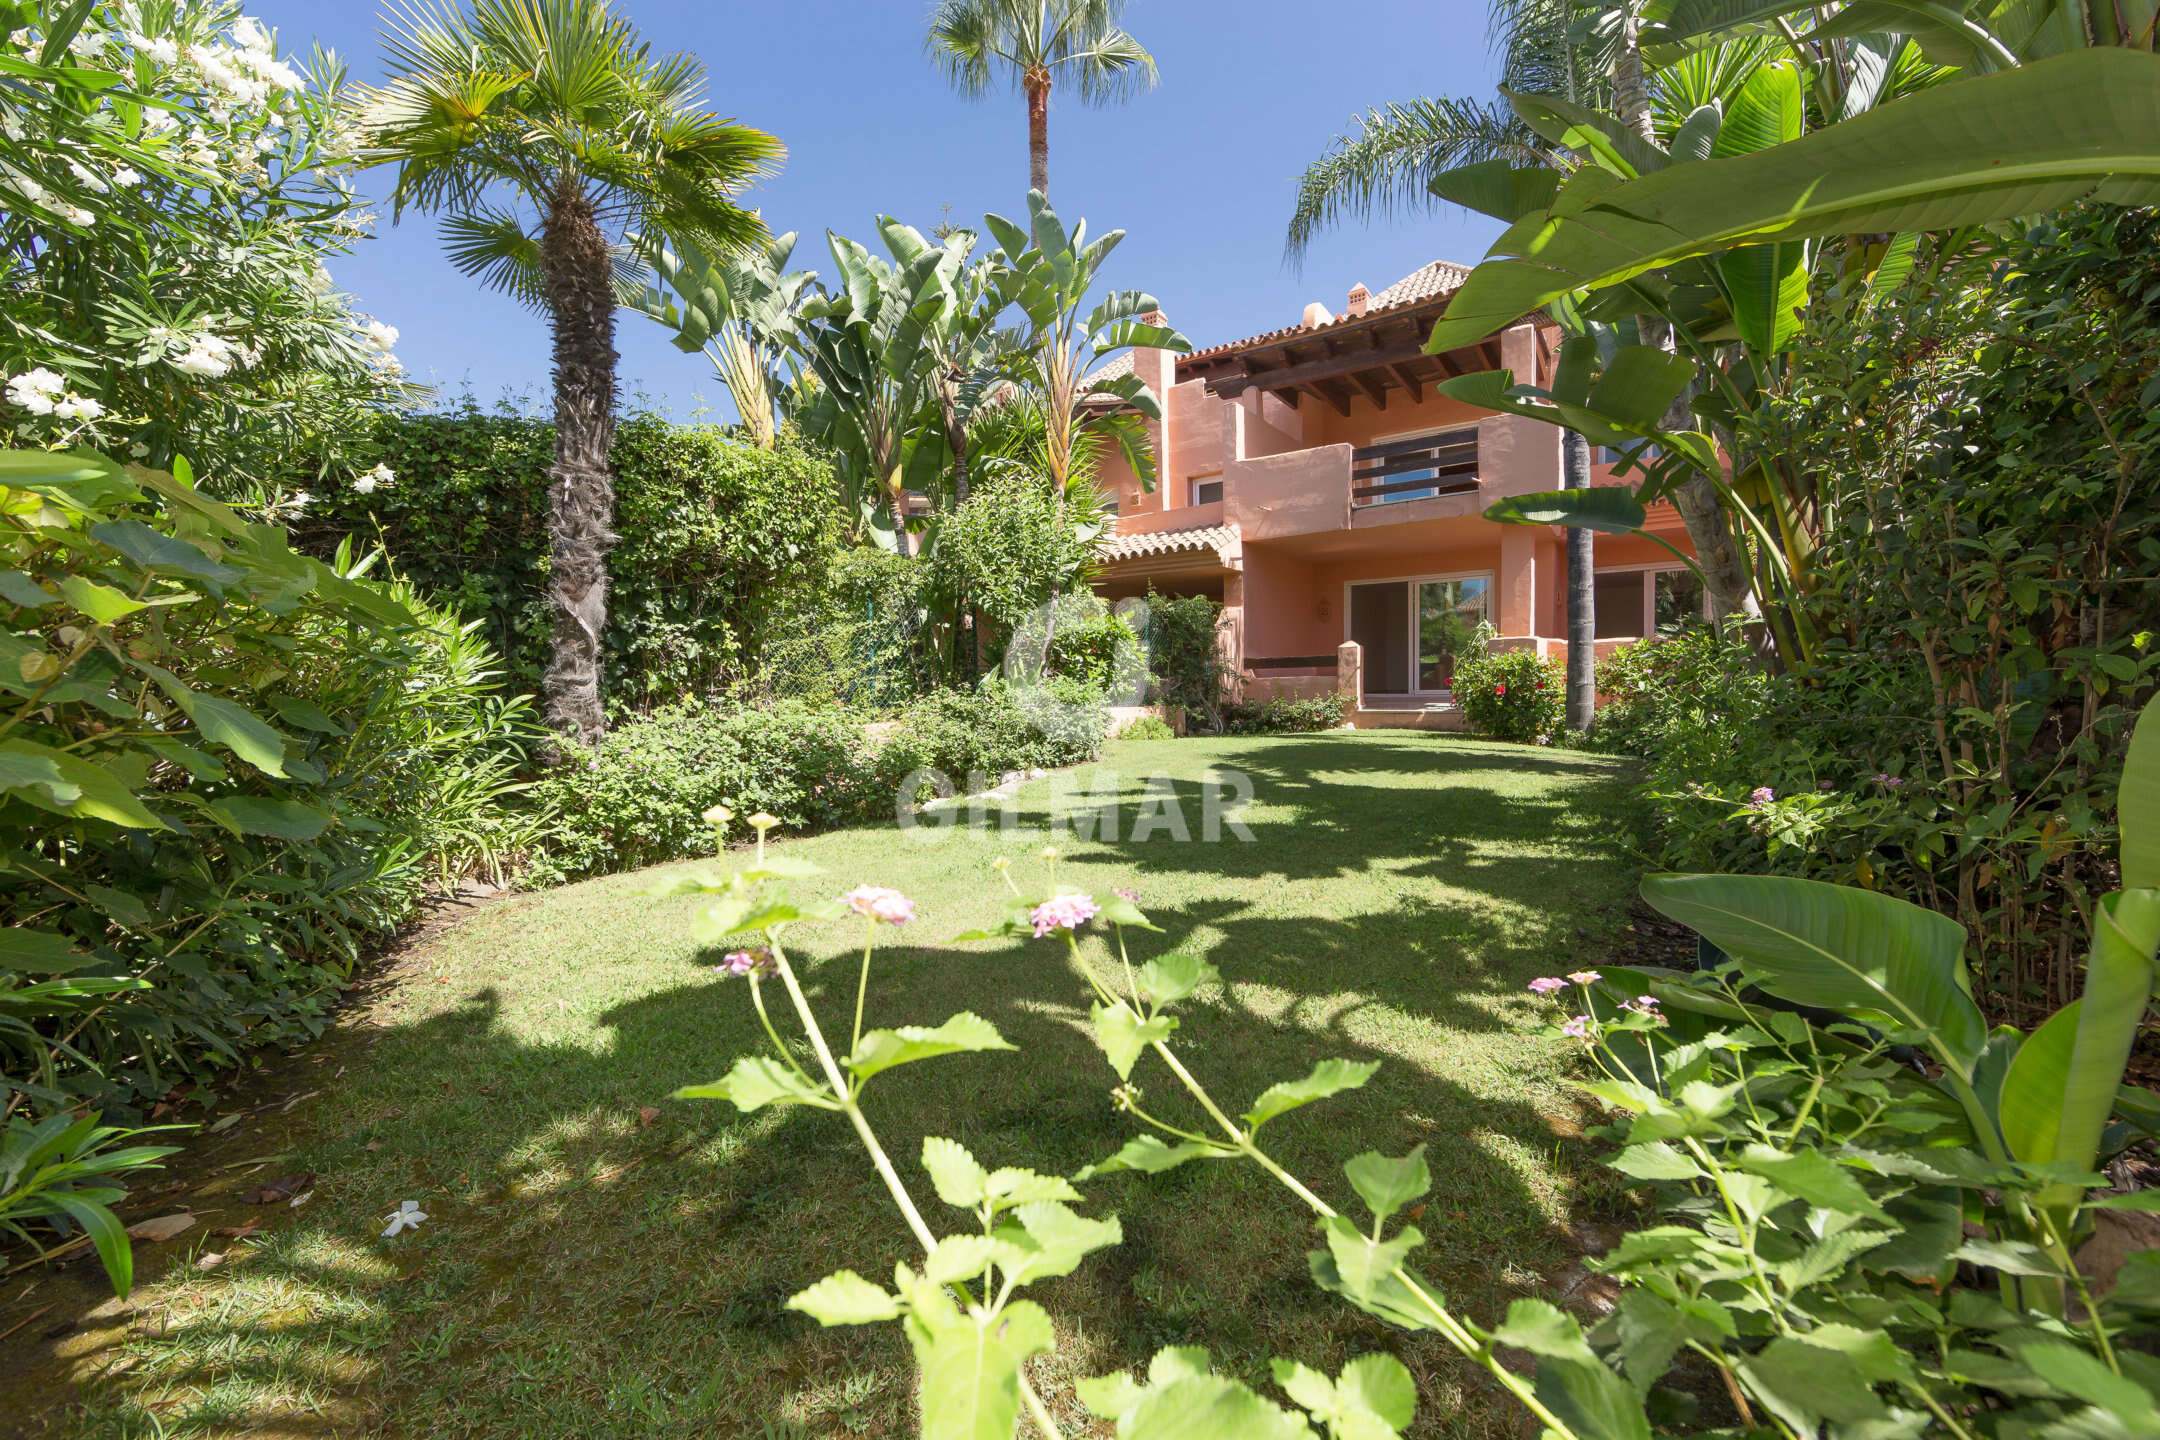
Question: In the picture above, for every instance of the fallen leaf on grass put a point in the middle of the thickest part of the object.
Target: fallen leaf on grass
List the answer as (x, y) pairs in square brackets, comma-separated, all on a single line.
[(372, 1145), (209, 1260), (227, 1123), (646, 1114), (301, 1199), (280, 1189), (161, 1227), (237, 1232), (306, 1095)]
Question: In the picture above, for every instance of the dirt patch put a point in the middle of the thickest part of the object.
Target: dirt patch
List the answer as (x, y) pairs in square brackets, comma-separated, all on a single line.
[(60, 1324)]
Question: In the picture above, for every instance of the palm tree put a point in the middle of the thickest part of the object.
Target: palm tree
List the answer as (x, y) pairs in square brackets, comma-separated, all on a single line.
[(1033, 43), (1385, 165), (543, 130)]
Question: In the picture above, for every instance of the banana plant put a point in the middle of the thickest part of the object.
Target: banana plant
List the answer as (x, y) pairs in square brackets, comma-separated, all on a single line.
[(741, 313), (871, 346), (2040, 1105), (1046, 273), (1976, 35)]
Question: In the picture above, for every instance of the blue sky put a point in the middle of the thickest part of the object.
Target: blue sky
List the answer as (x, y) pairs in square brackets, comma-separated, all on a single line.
[(1200, 172)]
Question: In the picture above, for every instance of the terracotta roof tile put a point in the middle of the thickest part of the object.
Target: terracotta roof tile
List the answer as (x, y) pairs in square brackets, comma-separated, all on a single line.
[(1441, 277), (1222, 539)]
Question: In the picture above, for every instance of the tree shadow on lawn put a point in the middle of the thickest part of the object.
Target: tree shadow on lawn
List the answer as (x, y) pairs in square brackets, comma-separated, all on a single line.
[(587, 1273)]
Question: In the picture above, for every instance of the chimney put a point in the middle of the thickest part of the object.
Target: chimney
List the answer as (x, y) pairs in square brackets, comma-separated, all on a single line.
[(1360, 297), (1316, 315)]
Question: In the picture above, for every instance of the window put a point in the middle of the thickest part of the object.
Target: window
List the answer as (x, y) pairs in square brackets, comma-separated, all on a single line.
[(1110, 500), (1206, 490), (1680, 598), (1620, 604), (1614, 454)]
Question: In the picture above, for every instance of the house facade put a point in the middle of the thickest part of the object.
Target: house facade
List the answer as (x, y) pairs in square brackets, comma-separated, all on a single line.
[(1313, 481)]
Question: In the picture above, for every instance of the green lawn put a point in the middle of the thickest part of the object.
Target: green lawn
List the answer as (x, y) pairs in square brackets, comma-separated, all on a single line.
[(591, 1272)]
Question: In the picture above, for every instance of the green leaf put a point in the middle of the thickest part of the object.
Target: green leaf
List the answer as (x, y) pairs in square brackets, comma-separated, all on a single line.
[(39, 775), (1168, 979), (285, 819), (1974, 150), (970, 1369), (1387, 1185), (19, 589), (758, 1081), (2030, 1109), (106, 1233), (1150, 1156), (1655, 1161), (1608, 509), (1362, 1271), (1047, 1238), (955, 1174), (2012, 1257), (101, 603), (882, 1049), (1806, 1384), (959, 1257), (154, 550), (101, 795), (1329, 1077), (1595, 1403), (1812, 1176), (305, 715), (1183, 1400), (84, 478), (224, 723), (2138, 803), (1117, 910), (1124, 1035), (845, 1298), (39, 952), (1874, 957), (1375, 1398), (1543, 1328), (1495, 188)]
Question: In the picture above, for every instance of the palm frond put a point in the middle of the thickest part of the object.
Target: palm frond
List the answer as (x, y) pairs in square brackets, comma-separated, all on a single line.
[(497, 248), (1387, 163)]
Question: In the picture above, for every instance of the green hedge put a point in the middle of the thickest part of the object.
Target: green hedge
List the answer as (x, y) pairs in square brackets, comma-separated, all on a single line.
[(721, 543)]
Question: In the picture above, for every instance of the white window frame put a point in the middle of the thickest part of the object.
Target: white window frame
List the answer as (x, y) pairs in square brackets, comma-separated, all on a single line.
[(1492, 583), (1192, 489)]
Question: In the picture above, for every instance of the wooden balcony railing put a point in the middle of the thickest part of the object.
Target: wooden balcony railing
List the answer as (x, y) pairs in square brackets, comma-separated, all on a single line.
[(1445, 464)]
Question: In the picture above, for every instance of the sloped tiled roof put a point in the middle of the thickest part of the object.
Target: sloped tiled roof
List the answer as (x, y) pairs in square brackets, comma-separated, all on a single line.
[(1116, 365), (1222, 539), (1428, 282)]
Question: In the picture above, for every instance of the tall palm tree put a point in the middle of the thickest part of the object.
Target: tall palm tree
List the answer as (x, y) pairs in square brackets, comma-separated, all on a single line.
[(543, 130), (1033, 44)]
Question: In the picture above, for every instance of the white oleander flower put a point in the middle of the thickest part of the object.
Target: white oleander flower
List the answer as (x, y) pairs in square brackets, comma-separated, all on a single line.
[(37, 391), (248, 34), (28, 188), (319, 279), (78, 407), (76, 215), (380, 338), (87, 176), (301, 499), (367, 482), (138, 450), (407, 1217), (160, 50), (126, 175), (205, 355)]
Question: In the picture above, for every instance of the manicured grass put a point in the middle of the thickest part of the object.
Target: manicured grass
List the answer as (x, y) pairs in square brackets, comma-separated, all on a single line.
[(588, 1271)]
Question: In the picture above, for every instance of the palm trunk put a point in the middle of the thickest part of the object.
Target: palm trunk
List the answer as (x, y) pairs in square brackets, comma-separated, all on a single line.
[(1581, 595), (578, 276), (896, 506), (1038, 103), (1631, 91)]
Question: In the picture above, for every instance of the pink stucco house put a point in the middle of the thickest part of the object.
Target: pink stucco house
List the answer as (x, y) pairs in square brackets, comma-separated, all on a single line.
[(1311, 480)]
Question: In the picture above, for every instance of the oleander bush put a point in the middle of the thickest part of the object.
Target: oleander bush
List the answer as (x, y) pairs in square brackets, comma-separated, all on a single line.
[(226, 767), (1185, 658)]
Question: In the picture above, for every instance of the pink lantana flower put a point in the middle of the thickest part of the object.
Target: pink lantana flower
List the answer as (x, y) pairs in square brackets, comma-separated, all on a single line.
[(1126, 893), (1577, 1028), (1760, 796), (1062, 912), (1547, 984), (757, 960), (880, 903), (1584, 977)]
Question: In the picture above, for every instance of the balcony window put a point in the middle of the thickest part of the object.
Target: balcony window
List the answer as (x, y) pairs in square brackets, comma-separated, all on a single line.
[(1206, 489), (1415, 467), (1635, 603)]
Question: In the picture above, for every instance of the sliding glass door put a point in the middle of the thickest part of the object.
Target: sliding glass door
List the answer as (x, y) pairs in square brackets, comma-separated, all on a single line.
[(1412, 631)]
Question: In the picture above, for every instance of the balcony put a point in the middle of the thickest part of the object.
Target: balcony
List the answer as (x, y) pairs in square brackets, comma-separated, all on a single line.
[(1423, 467)]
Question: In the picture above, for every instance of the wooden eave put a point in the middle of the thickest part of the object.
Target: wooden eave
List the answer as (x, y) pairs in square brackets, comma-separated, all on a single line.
[(1338, 363)]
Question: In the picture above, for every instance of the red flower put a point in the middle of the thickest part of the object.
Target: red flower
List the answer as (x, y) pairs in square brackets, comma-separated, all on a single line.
[(1499, 689)]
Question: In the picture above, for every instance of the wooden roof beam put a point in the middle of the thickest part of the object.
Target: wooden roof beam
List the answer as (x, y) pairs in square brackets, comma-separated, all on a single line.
[(1368, 381), (1341, 402), (1409, 382), (1326, 368)]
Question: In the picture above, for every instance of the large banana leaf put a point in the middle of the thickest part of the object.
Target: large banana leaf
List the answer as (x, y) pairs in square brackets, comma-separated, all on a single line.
[(1974, 150), (1873, 957), (2137, 804)]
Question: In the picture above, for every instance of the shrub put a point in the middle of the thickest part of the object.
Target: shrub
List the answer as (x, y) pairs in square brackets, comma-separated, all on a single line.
[(1098, 647), (637, 799), (1184, 657), (1512, 695), (723, 548), (1145, 727), (225, 766), (1283, 717), (1008, 550)]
